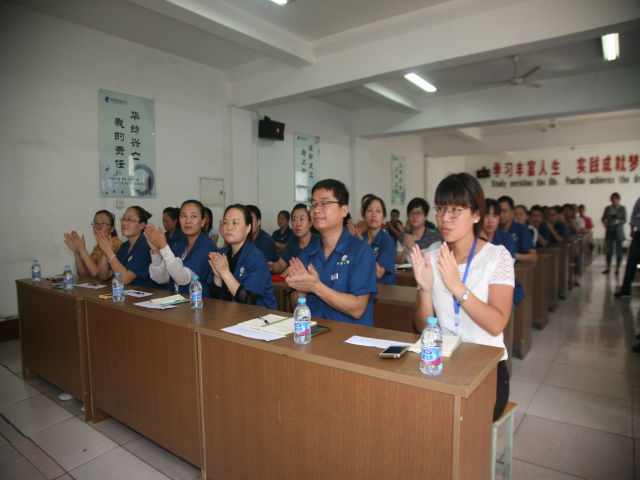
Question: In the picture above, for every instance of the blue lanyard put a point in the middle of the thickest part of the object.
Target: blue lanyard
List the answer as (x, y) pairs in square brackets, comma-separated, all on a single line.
[(456, 305)]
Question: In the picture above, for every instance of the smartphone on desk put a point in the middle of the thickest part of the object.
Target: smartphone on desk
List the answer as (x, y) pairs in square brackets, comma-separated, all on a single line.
[(394, 351), (318, 330)]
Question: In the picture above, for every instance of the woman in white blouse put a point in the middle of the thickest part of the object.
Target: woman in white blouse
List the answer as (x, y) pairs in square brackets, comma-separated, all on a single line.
[(177, 265), (484, 299)]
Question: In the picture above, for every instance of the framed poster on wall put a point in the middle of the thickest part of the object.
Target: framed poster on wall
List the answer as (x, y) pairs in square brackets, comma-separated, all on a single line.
[(307, 164), (126, 125), (398, 180)]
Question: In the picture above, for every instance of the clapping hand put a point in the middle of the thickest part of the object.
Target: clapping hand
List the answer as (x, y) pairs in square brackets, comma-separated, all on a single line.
[(219, 263), (105, 243), (302, 279), (448, 268), (422, 269), (155, 238)]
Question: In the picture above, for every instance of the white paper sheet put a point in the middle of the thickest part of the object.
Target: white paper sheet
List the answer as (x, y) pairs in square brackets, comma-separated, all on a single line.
[(252, 333), (374, 342), (149, 304), (282, 325), (91, 285), (172, 298), (137, 293), (403, 265), (449, 345)]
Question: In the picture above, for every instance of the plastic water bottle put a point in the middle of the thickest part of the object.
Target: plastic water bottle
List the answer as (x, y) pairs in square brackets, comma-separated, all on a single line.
[(431, 357), (35, 271), (67, 278), (195, 292), (302, 323), (117, 287)]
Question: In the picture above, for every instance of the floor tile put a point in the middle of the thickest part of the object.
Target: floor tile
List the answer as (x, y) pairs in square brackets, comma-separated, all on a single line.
[(530, 369), (116, 465), (73, 443), (629, 364), (602, 413), (7, 431), (5, 372), (14, 390), (3, 441), (584, 379), (9, 348), (522, 393), (73, 406), (600, 343), (34, 414), (527, 471), (16, 467), (574, 450), (43, 462), (162, 460), (116, 431), (13, 363), (40, 384)]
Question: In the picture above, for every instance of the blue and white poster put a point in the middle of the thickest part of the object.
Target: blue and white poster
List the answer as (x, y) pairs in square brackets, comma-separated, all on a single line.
[(398, 182), (307, 164), (126, 126)]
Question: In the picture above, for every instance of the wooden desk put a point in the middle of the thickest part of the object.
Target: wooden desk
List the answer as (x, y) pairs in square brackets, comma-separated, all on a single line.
[(405, 278), (53, 336), (281, 291), (279, 410), (541, 291), (144, 367), (394, 308), (522, 318), (552, 279), (563, 267)]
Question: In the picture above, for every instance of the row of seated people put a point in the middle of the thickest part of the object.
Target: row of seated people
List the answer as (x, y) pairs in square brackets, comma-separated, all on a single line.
[(464, 280)]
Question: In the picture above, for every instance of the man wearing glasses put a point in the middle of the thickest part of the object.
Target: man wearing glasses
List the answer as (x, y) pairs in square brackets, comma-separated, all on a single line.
[(337, 274), (418, 233)]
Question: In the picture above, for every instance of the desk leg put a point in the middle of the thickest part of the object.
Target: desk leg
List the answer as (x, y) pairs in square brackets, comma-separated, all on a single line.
[(28, 374)]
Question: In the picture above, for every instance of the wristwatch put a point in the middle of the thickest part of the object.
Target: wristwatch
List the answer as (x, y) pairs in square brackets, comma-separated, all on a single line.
[(464, 297)]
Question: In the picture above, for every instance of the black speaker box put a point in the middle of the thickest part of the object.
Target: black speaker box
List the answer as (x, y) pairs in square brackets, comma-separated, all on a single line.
[(267, 128)]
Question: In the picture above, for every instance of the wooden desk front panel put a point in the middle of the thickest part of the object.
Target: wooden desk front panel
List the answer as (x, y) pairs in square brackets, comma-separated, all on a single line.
[(552, 277), (394, 308), (271, 416), (522, 319), (405, 278), (144, 374), (53, 337), (540, 290)]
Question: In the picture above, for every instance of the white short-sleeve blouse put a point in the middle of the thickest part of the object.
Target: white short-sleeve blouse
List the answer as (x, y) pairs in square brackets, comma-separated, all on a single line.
[(491, 265)]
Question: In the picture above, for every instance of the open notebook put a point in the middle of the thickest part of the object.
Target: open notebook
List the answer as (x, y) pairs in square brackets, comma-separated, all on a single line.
[(277, 324), (449, 345)]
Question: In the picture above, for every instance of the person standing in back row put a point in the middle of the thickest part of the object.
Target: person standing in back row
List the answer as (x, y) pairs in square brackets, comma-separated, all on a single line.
[(613, 219), (634, 256)]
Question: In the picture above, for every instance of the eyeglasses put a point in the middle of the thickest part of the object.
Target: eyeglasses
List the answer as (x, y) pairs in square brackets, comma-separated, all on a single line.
[(453, 212), (129, 220), (416, 214), (321, 205), (100, 225)]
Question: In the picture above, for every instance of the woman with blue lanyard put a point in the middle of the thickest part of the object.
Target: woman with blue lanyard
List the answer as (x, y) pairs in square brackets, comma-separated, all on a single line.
[(241, 273), (171, 224), (467, 283), (133, 258), (384, 248), (177, 265)]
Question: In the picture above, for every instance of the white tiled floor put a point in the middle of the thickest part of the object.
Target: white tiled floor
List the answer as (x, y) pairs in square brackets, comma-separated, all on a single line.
[(578, 393)]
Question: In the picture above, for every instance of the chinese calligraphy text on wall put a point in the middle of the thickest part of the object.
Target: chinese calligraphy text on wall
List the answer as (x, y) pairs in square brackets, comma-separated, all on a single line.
[(307, 164), (398, 180)]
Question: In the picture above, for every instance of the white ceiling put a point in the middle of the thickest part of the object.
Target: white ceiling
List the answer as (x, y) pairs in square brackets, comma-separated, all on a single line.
[(353, 53)]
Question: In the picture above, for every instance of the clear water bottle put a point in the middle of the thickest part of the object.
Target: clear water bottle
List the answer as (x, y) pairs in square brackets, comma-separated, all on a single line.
[(35, 271), (431, 357), (302, 323), (67, 278), (195, 292), (117, 287)]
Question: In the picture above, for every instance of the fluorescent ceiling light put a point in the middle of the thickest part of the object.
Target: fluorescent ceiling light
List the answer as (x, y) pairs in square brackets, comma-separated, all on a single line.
[(280, 2), (421, 82), (610, 46)]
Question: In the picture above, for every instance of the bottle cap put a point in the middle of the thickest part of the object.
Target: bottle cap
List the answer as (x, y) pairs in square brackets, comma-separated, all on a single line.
[(117, 274), (35, 261), (432, 320), (195, 277), (66, 266), (302, 300)]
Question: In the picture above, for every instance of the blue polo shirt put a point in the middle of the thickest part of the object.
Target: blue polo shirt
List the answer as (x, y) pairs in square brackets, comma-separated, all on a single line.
[(559, 227), (138, 262), (351, 268), (384, 251), (293, 250), (506, 240), (522, 236), (177, 237), (197, 261), (279, 237), (252, 272), (544, 232), (267, 246)]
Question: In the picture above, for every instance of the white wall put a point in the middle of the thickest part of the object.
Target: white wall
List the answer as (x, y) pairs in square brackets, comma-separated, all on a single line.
[(594, 196), (49, 182), (439, 168)]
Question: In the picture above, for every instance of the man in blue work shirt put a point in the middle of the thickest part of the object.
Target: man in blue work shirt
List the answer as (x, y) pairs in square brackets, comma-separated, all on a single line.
[(338, 273), (525, 248), (536, 217), (260, 238), (556, 227)]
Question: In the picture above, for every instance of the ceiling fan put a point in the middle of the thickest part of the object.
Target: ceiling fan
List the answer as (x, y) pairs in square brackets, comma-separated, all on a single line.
[(516, 79)]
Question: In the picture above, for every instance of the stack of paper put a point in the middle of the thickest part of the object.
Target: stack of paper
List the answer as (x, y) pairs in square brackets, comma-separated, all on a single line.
[(153, 305), (449, 345), (91, 285), (254, 333), (374, 342), (403, 265), (277, 324), (172, 300)]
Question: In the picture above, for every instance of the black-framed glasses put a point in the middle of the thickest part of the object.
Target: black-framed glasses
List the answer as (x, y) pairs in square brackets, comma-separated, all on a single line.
[(100, 225), (129, 220), (321, 205), (416, 214), (453, 212)]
